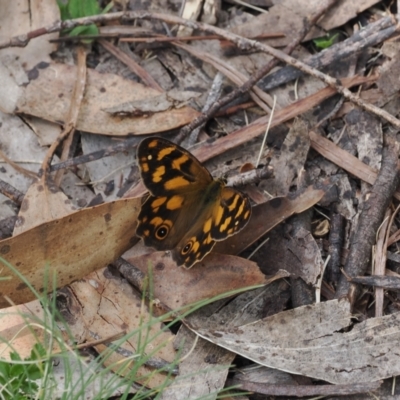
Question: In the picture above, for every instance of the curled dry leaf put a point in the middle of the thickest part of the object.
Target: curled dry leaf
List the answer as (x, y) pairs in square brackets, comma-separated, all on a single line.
[(70, 247), (303, 256), (292, 157)]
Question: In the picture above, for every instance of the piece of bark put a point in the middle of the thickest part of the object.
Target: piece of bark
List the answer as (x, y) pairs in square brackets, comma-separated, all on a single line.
[(336, 237), (302, 293)]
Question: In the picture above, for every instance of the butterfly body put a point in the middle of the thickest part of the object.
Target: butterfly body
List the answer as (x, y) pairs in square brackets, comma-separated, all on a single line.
[(187, 210)]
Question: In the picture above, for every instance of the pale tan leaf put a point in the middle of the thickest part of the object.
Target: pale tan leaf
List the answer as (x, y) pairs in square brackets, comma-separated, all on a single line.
[(41, 204), (21, 17), (20, 330), (48, 96), (102, 305)]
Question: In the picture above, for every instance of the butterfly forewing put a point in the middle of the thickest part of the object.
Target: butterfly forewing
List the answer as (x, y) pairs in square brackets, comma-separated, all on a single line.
[(170, 212), (168, 168), (174, 178)]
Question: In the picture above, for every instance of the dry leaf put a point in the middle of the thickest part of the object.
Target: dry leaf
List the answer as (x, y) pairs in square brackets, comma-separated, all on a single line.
[(21, 17), (202, 373), (48, 96), (20, 329), (20, 145), (209, 364), (290, 161), (216, 274), (70, 247), (289, 16), (307, 341), (156, 103), (302, 256), (41, 204), (102, 305), (271, 214)]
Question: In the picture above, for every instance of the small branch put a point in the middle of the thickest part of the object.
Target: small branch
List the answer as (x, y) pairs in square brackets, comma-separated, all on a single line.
[(385, 282), (11, 192), (379, 261), (370, 219), (336, 238)]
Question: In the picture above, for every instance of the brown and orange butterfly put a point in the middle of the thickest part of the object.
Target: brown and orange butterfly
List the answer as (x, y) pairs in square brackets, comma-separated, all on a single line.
[(187, 210)]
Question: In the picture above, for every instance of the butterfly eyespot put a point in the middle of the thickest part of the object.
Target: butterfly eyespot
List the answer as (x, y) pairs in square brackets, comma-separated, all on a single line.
[(187, 248), (162, 232)]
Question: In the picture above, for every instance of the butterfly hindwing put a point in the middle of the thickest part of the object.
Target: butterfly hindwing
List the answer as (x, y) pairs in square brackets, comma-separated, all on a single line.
[(198, 247), (227, 215), (230, 215)]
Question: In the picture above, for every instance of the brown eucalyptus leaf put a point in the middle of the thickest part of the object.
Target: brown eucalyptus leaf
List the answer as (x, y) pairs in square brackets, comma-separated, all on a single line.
[(216, 274), (69, 247)]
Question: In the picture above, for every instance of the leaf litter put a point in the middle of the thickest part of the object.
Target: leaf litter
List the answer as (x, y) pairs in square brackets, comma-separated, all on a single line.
[(322, 149)]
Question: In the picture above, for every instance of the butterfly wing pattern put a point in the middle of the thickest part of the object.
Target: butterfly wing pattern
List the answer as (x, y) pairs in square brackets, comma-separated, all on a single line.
[(187, 211), (227, 215)]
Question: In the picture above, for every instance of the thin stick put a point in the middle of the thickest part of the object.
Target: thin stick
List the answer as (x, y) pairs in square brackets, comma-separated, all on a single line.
[(266, 133)]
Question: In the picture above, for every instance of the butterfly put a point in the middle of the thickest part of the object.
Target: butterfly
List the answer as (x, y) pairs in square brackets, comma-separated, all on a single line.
[(187, 210)]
